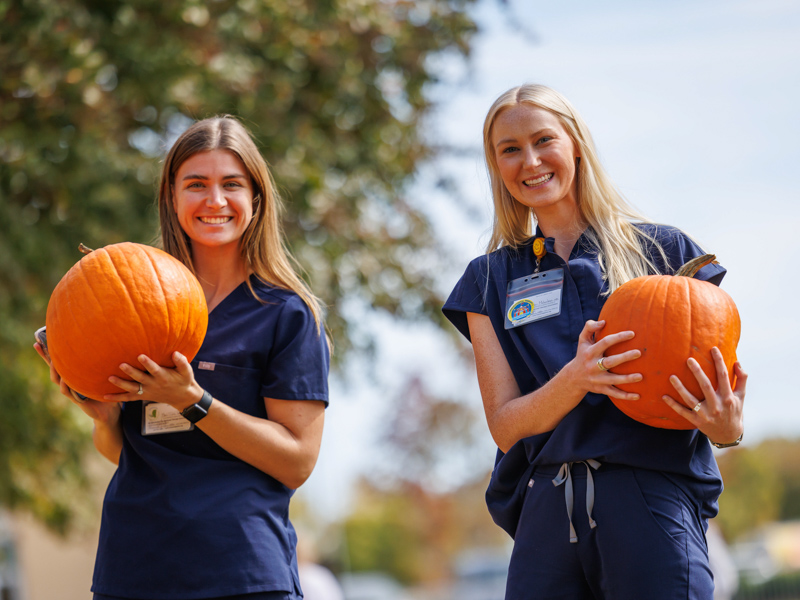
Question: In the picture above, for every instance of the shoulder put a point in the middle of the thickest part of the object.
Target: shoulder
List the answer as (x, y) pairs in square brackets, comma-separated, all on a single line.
[(287, 306), (664, 235), (500, 259), (670, 248), (273, 295)]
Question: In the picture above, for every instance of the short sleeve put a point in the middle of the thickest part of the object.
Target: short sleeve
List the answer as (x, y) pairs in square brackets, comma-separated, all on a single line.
[(299, 361), (468, 295), (679, 249)]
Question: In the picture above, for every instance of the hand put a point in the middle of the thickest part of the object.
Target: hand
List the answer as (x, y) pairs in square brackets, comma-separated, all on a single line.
[(719, 414), (591, 376), (106, 412), (174, 386)]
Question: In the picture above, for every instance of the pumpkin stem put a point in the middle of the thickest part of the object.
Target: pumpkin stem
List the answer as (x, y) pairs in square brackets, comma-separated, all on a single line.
[(84, 249), (691, 268)]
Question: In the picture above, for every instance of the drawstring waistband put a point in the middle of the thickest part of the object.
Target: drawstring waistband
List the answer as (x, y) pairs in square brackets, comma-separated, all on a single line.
[(565, 475)]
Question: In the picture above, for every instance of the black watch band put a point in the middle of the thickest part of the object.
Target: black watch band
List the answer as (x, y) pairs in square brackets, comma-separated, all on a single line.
[(198, 410)]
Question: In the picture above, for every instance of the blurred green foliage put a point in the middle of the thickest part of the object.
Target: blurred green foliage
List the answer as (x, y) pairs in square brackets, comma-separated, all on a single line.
[(762, 484), (414, 534), (92, 92)]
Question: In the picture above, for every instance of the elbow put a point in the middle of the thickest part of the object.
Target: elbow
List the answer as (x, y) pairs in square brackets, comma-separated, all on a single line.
[(299, 473), (500, 437), (502, 444)]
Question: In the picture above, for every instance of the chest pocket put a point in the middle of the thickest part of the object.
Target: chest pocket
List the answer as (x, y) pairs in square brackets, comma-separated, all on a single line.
[(237, 387)]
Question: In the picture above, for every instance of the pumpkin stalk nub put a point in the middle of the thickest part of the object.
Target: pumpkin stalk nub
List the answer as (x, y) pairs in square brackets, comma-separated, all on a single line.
[(691, 268), (84, 249)]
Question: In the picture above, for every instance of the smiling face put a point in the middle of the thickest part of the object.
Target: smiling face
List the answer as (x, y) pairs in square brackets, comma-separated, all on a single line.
[(213, 198), (535, 157)]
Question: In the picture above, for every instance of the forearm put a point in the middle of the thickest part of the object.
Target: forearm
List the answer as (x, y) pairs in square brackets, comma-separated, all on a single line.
[(265, 444), (538, 412), (107, 438)]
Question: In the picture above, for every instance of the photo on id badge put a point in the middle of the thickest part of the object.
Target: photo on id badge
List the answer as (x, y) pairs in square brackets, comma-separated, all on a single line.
[(534, 297)]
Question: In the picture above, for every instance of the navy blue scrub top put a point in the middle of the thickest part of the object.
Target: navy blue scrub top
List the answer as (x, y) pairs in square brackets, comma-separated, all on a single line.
[(183, 518), (536, 351)]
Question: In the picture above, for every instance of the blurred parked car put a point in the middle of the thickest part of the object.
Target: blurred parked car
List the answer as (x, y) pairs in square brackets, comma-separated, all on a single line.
[(371, 586), (481, 575)]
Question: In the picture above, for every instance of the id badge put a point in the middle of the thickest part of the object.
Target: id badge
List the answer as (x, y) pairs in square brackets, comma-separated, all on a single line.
[(158, 417), (534, 297)]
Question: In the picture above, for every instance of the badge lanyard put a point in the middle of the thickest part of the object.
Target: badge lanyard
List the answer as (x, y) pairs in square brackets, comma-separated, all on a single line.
[(536, 296)]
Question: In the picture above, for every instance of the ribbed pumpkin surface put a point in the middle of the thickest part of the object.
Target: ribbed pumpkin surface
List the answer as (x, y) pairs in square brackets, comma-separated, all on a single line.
[(119, 302), (674, 318)]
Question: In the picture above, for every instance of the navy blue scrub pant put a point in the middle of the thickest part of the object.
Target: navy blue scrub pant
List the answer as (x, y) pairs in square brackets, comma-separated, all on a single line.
[(648, 543)]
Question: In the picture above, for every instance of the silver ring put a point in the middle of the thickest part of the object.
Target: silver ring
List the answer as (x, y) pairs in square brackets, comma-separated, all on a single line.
[(697, 407), (141, 390), (600, 364)]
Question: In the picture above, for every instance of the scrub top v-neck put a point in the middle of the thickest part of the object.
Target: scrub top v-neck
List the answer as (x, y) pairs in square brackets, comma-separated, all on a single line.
[(183, 518), (595, 429)]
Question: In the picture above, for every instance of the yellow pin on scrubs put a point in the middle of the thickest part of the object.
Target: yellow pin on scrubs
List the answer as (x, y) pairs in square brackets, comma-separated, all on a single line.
[(539, 251)]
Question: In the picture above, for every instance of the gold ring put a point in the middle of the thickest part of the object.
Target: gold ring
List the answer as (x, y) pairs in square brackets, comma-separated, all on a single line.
[(697, 407), (600, 364), (141, 391)]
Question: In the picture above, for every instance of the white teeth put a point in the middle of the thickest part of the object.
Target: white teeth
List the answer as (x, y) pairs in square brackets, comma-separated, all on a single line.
[(215, 220), (538, 180)]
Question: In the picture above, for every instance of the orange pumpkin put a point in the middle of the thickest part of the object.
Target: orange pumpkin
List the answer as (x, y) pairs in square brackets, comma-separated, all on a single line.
[(119, 302), (674, 317)]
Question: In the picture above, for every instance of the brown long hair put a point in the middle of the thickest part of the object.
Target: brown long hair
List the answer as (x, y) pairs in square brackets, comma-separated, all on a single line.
[(262, 245)]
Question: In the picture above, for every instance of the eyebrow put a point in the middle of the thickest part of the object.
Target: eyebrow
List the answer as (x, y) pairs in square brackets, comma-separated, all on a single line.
[(535, 133), (204, 178)]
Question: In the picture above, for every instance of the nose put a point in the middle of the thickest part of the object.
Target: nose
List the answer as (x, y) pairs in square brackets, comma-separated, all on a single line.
[(531, 157), (216, 197)]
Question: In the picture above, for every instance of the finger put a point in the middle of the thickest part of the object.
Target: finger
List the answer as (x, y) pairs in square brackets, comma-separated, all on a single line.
[(615, 360), (40, 351), (723, 377), (613, 339), (131, 387), (709, 393), (618, 394), (741, 380), (120, 397), (149, 365), (137, 375), (688, 399), (689, 415), (182, 364), (589, 329)]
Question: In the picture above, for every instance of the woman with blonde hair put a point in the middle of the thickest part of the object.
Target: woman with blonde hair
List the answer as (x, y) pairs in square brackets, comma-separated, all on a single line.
[(198, 506), (600, 506)]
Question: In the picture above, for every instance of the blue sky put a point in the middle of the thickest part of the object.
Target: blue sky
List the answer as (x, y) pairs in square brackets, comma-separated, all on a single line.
[(693, 107)]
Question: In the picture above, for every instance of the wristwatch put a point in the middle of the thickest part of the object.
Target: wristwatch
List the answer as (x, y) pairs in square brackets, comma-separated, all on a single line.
[(198, 410), (732, 444)]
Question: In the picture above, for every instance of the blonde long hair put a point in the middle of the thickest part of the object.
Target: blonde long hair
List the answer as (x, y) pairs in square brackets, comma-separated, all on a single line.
[(262, 245), (609, 216)]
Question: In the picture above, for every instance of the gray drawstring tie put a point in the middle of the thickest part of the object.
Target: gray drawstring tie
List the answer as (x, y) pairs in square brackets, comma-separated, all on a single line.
[(565, 475)]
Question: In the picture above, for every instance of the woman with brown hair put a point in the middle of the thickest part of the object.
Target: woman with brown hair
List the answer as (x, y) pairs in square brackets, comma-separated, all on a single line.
[(202, 510), (600, 506)]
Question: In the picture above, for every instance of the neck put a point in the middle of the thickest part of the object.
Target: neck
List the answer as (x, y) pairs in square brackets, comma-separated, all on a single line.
[(219, 272), (564, 223)]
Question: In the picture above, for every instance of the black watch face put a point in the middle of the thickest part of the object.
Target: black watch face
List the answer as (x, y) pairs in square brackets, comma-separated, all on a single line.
[(194, 413)]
